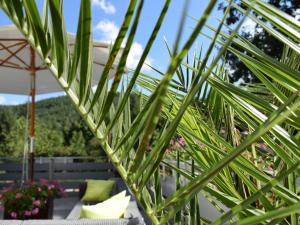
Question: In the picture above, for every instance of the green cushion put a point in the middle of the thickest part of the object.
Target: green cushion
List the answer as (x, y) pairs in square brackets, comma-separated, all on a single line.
[(98, 190), (112, 208)]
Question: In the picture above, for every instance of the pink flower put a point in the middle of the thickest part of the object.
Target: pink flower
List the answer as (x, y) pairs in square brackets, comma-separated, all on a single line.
[(62, 192), (50, 187), (181, 141), (27, 213), (36, 202), (31, 183), (13, 215), (19, 195), (264, 146), (43, 180), (35, 211)]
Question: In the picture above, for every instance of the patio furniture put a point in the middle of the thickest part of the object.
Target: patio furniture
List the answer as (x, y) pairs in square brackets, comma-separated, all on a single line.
[(132, 214), (69, 222)]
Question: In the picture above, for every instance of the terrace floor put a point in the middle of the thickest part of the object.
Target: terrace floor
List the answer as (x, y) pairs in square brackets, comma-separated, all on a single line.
[(63, 206)]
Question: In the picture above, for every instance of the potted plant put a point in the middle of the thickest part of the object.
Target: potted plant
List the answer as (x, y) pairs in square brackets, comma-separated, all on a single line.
[(33, 200)]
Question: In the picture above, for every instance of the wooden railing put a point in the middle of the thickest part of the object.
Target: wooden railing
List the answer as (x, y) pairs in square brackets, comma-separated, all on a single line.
[(68, 171)]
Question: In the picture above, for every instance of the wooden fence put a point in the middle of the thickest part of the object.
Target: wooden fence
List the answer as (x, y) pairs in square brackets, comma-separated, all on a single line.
[(68, 171)]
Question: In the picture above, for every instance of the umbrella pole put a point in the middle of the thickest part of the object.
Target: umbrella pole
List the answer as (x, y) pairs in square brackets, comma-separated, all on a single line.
[(32, 116)]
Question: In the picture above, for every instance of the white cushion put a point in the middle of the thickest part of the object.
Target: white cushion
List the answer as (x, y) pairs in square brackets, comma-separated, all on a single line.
[(112, 208)]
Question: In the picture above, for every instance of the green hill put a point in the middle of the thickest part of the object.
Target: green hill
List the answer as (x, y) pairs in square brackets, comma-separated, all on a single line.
[(59, 130)]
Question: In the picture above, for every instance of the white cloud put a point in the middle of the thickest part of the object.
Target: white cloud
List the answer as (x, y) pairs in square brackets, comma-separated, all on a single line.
[(2, 100), (109, 32), (134, 56), (249, 26), (106, 6)]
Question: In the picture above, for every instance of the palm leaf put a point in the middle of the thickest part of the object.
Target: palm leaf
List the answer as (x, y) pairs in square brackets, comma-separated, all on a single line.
[(199, 104)]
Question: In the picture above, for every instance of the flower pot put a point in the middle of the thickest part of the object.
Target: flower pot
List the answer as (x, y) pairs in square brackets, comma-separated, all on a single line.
[(40, 213)]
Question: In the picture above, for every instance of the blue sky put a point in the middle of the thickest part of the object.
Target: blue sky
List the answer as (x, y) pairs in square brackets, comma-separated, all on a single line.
[(107, 18)]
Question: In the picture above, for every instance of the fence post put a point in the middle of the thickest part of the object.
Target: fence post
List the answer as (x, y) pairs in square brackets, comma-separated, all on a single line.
[(51, 168)]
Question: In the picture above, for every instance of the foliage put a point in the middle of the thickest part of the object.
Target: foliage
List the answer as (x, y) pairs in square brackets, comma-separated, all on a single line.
[(59, 130), (222, 124), (8, 122), (265, 41), (22, 203)]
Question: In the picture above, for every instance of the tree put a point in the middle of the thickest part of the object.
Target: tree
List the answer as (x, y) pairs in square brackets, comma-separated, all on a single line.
[(94, 147), (16, 138), (49, 142), (7, 125), (77, 143), (58, 128), (259, 37)]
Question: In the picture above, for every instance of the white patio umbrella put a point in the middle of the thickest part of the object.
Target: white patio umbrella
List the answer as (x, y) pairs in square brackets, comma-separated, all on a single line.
[(22, 72)]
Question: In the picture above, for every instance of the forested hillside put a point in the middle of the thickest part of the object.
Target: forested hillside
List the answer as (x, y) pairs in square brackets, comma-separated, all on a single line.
[(59, 130)]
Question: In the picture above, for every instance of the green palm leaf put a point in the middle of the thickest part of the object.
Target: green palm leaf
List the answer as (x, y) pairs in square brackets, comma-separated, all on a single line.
[(198, 104)]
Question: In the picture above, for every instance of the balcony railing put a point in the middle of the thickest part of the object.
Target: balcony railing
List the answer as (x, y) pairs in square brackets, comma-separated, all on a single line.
[(69, 171)]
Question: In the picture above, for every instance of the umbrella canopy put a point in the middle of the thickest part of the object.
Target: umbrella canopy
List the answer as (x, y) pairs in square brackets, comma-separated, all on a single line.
[(15, 60), (23, 72)]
